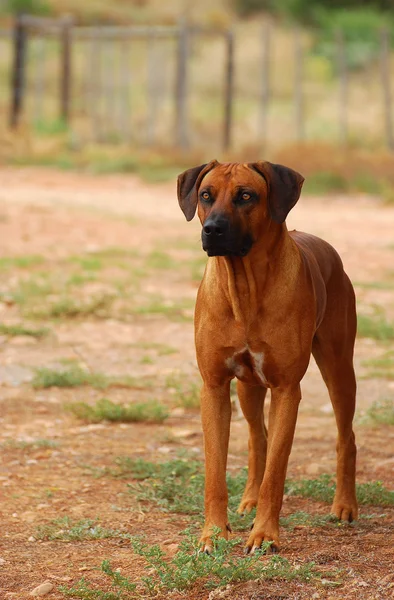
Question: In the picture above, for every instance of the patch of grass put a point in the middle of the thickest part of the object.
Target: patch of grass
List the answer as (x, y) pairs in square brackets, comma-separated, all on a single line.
[(375, 285), (68, 307), (161, 349), (382, 367), (380, 412), (186, 392), (106, 410), (376, 327), (74, 375), (88, 262), (190, 566), (305, 519), (160, 260), (66, 530), (325, 182), (20, 329), (33, 445), (147, 360), (20, 262), (323, 490), (177, 311)]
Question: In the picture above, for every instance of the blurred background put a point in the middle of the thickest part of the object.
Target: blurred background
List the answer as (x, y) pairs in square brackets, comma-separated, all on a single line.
[(122, 85)]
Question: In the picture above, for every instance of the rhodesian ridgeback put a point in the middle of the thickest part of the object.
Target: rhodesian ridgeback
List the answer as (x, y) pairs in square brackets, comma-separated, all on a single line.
[(268, 299)]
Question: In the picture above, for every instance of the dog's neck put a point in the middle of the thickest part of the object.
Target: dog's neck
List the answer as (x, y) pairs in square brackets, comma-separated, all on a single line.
[(250, 278)]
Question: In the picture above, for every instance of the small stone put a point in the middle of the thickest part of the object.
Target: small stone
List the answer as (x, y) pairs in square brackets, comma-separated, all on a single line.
[(183, 433), (312, 469), (178, 412), (315, 595), (42, 590), (2, 562), (327, 409), (31, 539)]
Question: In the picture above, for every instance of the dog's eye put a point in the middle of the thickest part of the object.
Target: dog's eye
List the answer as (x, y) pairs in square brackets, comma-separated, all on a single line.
[(205, 196), (245, 196)]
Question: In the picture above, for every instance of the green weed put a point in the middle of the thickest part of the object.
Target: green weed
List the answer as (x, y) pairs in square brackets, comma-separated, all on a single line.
[(376, 327), (105, 410), (33, 445), (66, 530), (177, 311), (160, 260), (74, 375), (382, 367), (305, 519), (68, 307), (325, 181), (323, 490), (189, 566), (380, 412), (186, 392), (20, 262), (19, 329)]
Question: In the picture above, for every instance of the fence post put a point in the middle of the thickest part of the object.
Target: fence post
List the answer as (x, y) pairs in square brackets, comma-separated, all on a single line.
[(181, 129), (265, 89), (39, 72), (343, 87), (228, 91), (65, 68), (298, 81), (385, 70), (18, 71)]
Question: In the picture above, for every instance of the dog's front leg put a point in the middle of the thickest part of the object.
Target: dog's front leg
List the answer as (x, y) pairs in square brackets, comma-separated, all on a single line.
[(282, 421), (215, 416)]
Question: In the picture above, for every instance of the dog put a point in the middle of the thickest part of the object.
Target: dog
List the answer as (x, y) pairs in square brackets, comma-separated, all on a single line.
[(268, 299)]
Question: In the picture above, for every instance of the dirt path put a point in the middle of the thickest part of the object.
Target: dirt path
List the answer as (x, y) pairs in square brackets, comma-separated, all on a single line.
[(109, 266)]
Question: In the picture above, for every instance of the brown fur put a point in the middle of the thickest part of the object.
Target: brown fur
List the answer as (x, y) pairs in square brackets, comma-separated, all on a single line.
[(258, 317)]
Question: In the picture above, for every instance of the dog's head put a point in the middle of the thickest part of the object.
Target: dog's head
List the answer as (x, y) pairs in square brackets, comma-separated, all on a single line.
[(237, 201)]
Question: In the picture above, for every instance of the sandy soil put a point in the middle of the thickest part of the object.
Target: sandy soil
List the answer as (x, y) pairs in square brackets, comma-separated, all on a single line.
[(56, 216)]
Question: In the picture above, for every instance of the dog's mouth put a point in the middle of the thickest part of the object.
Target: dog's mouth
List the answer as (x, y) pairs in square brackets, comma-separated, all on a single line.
[(227, 250)]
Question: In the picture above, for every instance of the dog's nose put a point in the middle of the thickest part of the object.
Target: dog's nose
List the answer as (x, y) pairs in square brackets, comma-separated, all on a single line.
[(215, 227)]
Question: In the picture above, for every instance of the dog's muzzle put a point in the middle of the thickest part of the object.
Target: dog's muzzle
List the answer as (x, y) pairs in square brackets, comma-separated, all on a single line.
[(220, 238)]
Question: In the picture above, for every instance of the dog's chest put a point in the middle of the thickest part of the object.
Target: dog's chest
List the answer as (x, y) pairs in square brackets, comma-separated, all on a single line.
[(247, 365)]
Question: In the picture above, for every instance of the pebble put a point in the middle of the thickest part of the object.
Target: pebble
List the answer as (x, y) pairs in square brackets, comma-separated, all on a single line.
[(31, 539), (42, 589), (2, 561), (312, 469)]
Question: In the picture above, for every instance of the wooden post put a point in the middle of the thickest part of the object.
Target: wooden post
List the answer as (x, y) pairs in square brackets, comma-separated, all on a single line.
[(228, 91), (154, 80), (298, 85), (125, 83), (265, 85), (18, 71), (181, 88), (386, 86), (39, 77), (65, 69), (95, 86), (343, 87)]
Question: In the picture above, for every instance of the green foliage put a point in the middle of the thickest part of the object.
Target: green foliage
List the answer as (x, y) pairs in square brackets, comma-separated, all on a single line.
[(380, 412), (305, 519), (382, 366), (32, 7), (323, 182), (190, 566), (74, 375), (323, 490), (20, 329), (66, 530), (20, 262), (186, 392), (375, 326), (106, 410), (361, 31), (54, 127)]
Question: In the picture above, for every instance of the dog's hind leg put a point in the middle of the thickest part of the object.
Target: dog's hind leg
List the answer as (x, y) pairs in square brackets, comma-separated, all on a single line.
[(251, 398), (333, 351)]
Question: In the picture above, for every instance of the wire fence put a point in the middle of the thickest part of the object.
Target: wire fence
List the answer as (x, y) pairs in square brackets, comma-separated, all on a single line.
[(187, 87)]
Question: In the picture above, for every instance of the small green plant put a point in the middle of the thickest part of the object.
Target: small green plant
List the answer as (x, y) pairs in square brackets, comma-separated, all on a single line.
[(305, 519), (190, 566), (382, 367), (20, 329), (323, 490), (20, 262), (33, 445), (186, 392), (160, 260), (175, 311), (66, 530), (106, 410), (380, 412), (53, 127), (73, 376), (376, 327), (325, 182), (68, 307)]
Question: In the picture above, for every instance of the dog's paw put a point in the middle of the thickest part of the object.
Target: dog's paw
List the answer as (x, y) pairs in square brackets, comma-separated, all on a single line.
[(345, 510), (246, 506), (260, 535), (206, 543)]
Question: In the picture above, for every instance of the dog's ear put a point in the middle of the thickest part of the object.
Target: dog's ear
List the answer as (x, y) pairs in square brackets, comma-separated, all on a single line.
[(284, 188), (188, 184)]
